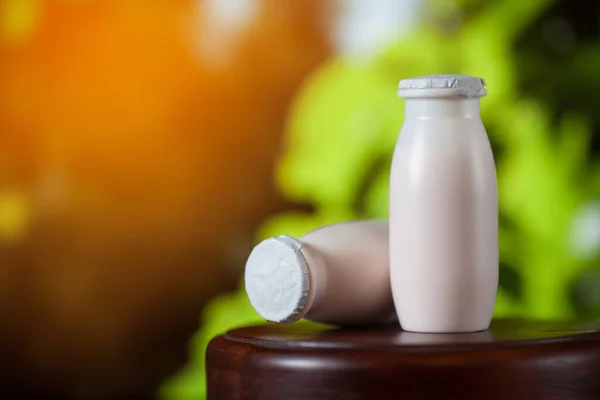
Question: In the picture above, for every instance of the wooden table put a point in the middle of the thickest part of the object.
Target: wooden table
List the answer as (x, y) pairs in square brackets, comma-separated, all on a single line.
[(514, 359)]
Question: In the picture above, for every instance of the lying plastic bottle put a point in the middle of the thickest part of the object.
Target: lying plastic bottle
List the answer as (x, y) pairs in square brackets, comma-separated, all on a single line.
[(338, 274)]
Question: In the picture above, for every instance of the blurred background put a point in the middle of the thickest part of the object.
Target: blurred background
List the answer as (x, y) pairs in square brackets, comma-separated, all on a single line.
[(145, 146)]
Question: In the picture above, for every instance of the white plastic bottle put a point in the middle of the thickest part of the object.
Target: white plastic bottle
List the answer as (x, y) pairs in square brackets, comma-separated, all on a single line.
[(337, 274), (443, 208)]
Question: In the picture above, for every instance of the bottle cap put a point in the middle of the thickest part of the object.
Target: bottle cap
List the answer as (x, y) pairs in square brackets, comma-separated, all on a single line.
[(277, 279), (460, 85)]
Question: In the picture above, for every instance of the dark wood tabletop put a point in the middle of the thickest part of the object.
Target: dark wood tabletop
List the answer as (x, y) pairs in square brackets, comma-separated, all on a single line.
[(514, 359)]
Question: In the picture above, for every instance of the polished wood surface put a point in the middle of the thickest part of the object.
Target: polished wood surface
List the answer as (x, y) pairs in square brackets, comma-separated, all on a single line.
[(514, 359)]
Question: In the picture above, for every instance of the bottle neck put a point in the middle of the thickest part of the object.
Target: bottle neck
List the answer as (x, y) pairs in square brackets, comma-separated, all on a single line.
[(435, 107), (317, 274)]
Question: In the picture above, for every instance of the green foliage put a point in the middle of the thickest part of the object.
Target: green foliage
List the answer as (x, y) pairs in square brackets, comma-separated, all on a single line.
[(344, 124)]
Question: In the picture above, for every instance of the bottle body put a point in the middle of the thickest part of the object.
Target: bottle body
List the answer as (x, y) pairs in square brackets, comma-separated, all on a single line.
[(443, 218), (349, 274)]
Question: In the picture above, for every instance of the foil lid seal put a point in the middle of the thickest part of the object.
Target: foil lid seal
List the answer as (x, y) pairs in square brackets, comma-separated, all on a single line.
[(277, 280), (460, 85)]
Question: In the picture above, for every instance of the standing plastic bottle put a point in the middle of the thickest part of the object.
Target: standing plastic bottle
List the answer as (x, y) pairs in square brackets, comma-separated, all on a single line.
[(443, 208)]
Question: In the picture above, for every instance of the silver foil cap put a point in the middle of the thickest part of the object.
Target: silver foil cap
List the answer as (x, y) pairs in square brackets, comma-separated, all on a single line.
[(460, 85), (277, 280)]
